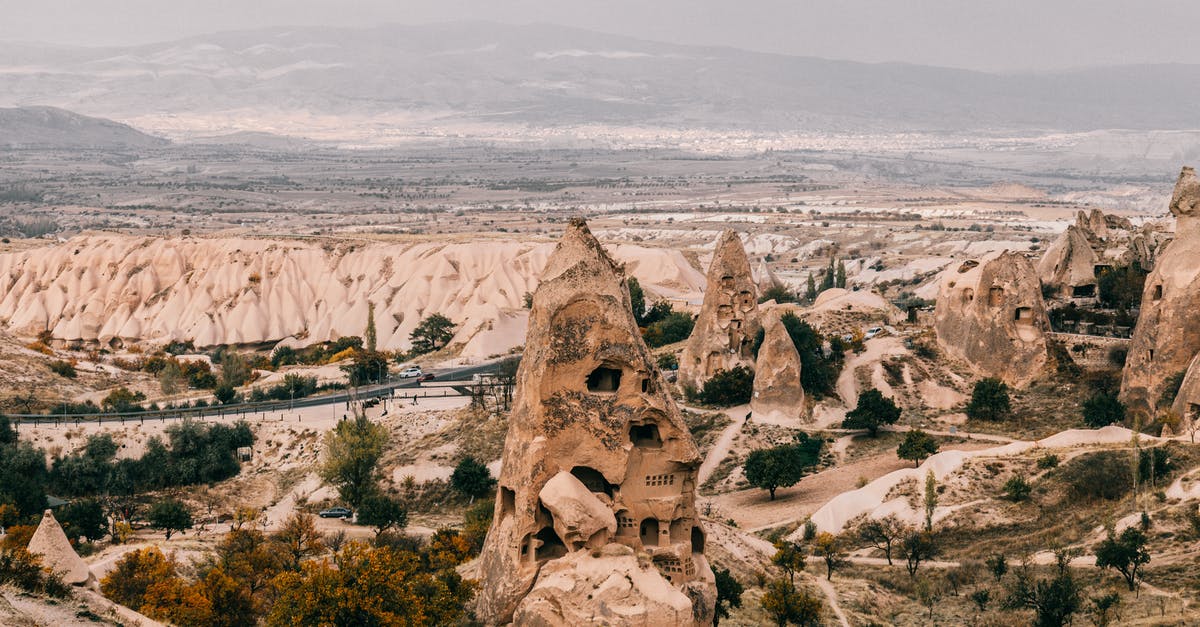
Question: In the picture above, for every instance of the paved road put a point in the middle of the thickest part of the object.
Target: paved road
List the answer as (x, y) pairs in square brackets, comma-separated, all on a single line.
[(400, 388)]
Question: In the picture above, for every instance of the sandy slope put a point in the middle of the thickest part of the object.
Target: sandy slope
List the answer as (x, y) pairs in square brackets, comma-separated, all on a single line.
[(250, 291)]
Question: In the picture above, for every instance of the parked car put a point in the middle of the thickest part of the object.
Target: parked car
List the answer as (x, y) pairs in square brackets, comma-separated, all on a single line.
[(873, 331), (428, 376), (410, 372), (336, 512)]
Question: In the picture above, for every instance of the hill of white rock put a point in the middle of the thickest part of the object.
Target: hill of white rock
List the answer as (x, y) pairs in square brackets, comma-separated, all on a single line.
[(213, 291)]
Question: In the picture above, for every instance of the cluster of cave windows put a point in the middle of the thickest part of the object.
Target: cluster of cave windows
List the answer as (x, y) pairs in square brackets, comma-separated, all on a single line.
[(660, 480)]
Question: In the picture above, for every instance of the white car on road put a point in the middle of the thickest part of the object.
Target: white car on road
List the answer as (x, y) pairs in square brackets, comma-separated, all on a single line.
[(410, 372)]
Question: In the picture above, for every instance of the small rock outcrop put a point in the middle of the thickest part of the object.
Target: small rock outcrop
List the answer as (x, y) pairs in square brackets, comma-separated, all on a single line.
[(990, 314), (1187, 401), (764, 278), (1165, 339), (50, 542), (1095, 244), (723, 337), (595, 519), (778, 394)]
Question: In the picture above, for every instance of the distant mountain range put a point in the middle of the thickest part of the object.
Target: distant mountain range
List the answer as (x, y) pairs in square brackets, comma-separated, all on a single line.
[(555, 76), (30, 127)]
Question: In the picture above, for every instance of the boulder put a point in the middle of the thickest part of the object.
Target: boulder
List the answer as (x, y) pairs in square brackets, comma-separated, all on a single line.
[(612, 587), (590, 404), (990, 314), (50, 542), (723, 336), (578, 514), (778, 394), (1165, 339)]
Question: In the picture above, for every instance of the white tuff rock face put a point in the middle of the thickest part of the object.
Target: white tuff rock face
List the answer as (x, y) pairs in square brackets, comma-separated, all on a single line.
[(990, 314), (113, 289), (1165, 339), (595, 517), (50, 542), (777, 391), (723, 337)]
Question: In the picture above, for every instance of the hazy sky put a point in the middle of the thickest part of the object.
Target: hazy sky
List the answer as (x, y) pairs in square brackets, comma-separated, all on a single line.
[(980, 34)]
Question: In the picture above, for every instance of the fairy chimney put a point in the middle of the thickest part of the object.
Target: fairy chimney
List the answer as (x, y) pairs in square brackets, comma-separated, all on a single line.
[(723, 337), (599, 470), (777, 391), (50, 542), (990, 314), (1165, 338)]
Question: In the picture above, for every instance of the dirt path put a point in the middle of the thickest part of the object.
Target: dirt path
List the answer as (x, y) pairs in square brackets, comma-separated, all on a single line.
[(876, 350), (720, 449)]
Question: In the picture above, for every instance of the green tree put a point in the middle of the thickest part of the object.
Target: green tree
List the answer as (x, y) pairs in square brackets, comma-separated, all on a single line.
[(727, 388), (931, 499), (883, 533), (873, 411), (1121, 288), (235, 370), (84, 518), (778, 293), (917, 445), (989, 400), (1126, 553), (1103, 409), (810, 293), (224, 393), (366, 367), (998, 565), (382, 512), (472, 479), (791, 557), (170, 515), (352, 452), (782, 466), (123, 400), (818, 374), (841, 274), (676, 326), (1053, 600), (729, 594), (1017, 488), (433, 332), (637, 299)]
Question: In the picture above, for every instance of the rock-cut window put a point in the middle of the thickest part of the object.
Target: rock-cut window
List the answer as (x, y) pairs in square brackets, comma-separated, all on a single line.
[(604, 379)]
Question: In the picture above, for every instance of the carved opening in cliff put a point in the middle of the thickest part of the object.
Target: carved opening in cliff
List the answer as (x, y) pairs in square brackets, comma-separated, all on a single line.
[(1158, 292), (1101, 269), (968, 295), (648, 532), (995, 296), (626, 525), (551, 546), (645, 436), (593, 480), (508, 502), (697, 539), (605, 379), (727, 282), (526, 544), (714, 364), (967, 265), (745, 300), (1083, 291), (1023, 315)]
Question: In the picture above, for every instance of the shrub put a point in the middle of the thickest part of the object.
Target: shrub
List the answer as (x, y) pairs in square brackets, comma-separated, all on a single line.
[(676, 326), (1102, 475), (668, 362), (62, 368), (1049, 460), (472, 478), (1017, 489), (729, 387), (989, 400), (1103, 409)]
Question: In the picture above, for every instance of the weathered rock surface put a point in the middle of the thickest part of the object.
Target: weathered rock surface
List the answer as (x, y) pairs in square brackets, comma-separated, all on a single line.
[(590, 403), (1187, 401), (764, 278), (777, 391), (216, 291), (50, 542), (1165, 339), (1093, 245), (990, 314), (724, 333)]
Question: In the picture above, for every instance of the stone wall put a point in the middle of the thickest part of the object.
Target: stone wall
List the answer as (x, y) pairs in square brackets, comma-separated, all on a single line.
[(1090, 351)]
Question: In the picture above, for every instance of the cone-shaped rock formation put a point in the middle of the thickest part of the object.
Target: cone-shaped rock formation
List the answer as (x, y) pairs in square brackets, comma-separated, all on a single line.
[(1166, 338), (777, 391), (723, 337), (598, 467), (50, 542), (990, 313), (1069, 266)]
